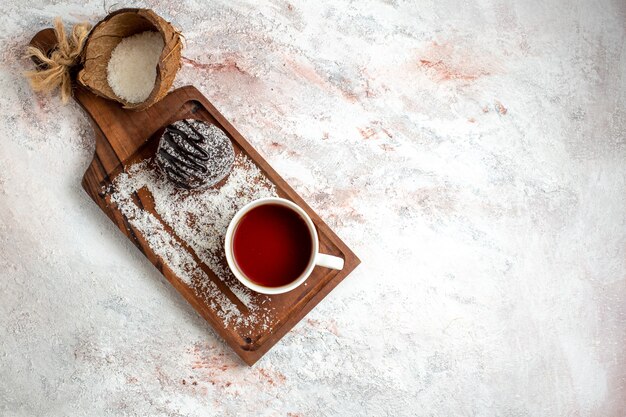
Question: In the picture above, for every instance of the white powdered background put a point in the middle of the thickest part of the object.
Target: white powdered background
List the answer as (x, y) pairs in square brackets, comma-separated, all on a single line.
[(471, 153)]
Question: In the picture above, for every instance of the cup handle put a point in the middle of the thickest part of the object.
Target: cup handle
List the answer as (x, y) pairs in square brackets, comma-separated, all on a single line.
[(329, 261)]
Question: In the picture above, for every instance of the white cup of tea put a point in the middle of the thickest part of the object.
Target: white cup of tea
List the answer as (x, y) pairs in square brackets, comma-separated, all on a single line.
[(272, 246)]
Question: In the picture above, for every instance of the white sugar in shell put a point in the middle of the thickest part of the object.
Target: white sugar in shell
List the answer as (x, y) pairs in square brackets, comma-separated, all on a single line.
[(131, 71)]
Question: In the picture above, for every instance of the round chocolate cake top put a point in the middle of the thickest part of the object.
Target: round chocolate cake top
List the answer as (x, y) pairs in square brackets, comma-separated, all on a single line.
[(193, 153)]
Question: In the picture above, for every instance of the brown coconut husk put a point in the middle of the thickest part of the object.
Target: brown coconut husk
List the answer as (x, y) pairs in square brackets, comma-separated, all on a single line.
[(105, 36)]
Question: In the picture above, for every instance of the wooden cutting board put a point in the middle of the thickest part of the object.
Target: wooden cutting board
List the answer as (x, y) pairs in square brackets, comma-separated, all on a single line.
[(249, 322)]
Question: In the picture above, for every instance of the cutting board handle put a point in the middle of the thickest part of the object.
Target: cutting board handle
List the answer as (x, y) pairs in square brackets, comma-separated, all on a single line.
[(118, 130)]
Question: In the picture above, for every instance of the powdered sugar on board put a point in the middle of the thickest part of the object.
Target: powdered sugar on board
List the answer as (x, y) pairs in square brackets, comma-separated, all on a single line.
[(199, 219)]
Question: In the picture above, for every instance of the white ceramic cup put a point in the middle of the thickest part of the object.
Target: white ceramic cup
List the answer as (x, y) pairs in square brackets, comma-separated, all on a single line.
[(317, 259)]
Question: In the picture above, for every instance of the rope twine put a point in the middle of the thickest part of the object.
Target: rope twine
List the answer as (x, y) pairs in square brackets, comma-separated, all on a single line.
[(54, 71)]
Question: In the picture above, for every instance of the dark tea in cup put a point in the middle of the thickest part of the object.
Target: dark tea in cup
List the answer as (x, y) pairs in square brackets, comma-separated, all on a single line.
[(272, 245)]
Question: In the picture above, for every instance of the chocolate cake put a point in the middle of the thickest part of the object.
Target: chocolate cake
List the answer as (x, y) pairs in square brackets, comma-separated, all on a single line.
[(194, 154)]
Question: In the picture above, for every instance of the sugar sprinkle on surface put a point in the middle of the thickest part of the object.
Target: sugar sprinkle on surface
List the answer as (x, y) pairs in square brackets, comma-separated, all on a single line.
[(200, 219)]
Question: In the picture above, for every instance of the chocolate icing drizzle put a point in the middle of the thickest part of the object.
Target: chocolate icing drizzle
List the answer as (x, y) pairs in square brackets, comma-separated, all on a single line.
[(185, 154)]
